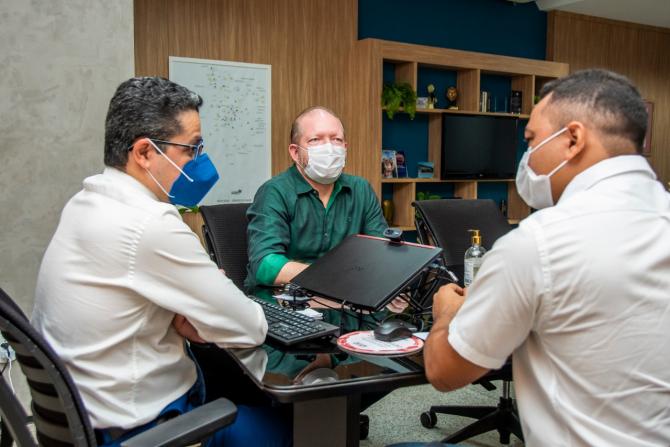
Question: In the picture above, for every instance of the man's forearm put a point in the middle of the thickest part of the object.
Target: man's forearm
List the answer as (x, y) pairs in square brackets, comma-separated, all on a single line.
[(289, 271)]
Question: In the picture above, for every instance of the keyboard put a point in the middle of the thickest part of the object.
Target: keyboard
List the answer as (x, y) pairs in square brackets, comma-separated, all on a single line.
[(289, 327)]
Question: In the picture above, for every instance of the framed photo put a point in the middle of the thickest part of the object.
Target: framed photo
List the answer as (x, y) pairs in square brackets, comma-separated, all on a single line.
[(646, 146), (401, 163), (425, 169), (389, 164)]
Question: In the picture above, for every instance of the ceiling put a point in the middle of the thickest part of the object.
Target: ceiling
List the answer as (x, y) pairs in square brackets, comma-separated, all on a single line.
[(647, 12)]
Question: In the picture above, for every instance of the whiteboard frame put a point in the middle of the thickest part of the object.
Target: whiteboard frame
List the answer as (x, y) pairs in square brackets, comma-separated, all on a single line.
[(268, 119)]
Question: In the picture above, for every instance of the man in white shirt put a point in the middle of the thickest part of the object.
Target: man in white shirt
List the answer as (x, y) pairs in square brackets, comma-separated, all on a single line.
[(124, 280), (580, 292)]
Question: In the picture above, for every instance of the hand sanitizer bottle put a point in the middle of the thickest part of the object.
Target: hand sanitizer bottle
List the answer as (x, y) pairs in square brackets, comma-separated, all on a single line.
[(473, 258)]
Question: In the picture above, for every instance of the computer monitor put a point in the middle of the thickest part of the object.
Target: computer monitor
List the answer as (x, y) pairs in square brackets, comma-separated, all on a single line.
[(366, 272), (479, 147)]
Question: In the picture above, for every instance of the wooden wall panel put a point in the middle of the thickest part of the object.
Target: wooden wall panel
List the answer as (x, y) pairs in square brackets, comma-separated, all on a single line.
[(151, 38), (308, 44), (638, 51), (363, 89)]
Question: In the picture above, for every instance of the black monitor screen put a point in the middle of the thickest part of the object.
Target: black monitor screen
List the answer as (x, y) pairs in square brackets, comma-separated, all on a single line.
[(478, 146)]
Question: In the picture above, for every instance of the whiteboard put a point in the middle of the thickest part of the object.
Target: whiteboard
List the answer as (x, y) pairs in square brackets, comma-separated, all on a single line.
[(235, 120)]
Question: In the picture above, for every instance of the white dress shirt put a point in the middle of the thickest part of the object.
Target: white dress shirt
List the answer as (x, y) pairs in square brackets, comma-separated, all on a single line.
[(118, 268), (580, 293)]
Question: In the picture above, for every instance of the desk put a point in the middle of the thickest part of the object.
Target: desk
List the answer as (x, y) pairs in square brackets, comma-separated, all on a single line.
[(325, 414)]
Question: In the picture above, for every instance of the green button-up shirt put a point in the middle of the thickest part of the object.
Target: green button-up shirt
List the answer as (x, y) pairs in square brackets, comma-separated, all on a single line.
[(288, 222)]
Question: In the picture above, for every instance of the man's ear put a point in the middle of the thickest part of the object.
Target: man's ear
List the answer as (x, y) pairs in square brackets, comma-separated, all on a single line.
[(293, 152), (141, 153), (577, 134)]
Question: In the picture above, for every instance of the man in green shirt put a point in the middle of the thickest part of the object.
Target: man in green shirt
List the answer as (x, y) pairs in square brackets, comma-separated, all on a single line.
[(302, 213)]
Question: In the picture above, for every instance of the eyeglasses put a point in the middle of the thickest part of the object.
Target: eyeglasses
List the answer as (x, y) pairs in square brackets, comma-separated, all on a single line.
[(196, 149)]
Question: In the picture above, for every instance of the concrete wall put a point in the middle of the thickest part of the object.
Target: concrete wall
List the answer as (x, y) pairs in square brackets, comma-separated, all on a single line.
[(60, 62)]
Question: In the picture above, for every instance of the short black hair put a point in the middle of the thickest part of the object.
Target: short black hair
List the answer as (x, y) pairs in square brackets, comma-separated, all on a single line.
[(603, 98), (144, 107)]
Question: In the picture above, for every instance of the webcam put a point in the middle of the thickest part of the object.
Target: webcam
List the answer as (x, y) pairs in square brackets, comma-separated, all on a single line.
[(394, 235)]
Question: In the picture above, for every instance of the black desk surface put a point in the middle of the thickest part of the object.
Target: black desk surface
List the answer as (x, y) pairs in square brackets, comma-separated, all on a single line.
[(278, 369)]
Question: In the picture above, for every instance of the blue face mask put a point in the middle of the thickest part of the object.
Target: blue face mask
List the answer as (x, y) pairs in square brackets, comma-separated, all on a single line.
[(194, 181)]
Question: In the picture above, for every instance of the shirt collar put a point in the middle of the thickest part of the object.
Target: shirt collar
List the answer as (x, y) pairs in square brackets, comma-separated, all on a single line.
[(302, 186), (115, 183), (609, 167)]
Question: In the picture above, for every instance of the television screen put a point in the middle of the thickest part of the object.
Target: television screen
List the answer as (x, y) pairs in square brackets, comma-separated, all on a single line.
[(478, 147)]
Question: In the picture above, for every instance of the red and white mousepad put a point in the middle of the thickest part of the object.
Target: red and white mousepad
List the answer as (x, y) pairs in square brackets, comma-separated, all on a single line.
[(364, 342)]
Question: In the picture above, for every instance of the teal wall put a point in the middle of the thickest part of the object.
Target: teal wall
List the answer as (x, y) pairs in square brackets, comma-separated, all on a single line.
[(487, 26)]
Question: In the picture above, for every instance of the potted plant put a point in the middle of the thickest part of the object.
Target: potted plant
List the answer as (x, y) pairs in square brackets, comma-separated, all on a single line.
[(395, 96)]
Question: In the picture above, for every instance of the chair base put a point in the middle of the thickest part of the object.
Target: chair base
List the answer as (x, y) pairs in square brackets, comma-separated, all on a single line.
[(503, 418)]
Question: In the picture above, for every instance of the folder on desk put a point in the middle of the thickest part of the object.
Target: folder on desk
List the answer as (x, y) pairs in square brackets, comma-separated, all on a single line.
[(366, 272)]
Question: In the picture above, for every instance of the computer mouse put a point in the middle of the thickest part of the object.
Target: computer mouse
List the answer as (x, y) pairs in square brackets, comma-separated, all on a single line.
[(393, 330)]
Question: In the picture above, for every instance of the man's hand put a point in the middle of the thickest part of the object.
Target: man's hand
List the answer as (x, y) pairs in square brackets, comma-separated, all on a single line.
[(448, 300), (397, 305), (186, 329)]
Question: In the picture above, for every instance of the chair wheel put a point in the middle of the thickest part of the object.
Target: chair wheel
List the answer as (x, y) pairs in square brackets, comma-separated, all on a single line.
[(363, 426), (428, 419)]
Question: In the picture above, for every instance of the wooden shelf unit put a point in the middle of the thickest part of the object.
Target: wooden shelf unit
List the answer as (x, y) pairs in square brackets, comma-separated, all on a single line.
[(526, 75)]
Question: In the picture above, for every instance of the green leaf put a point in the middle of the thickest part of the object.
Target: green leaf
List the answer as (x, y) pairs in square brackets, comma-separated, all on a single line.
[(188, 209), (396, 95)]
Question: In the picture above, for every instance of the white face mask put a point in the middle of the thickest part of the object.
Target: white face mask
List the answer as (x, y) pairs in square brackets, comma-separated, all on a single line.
[(535, 189), (325, 163)]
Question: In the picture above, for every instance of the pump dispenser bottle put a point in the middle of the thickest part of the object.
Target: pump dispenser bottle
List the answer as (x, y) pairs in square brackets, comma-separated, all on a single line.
[(473, 258)]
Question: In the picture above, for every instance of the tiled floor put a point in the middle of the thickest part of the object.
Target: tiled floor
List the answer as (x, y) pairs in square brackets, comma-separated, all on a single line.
[(396, 417)]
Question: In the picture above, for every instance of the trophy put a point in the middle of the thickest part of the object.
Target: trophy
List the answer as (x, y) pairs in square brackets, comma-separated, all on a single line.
[(452, 96), (432, 99)]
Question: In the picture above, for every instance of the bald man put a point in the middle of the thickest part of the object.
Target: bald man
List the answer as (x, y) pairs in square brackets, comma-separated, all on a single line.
[(302, 213)]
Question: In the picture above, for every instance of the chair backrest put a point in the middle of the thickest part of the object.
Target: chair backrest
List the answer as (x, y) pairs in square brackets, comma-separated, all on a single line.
[(445, 223), (58, 412), (13, 426), (225, 233)]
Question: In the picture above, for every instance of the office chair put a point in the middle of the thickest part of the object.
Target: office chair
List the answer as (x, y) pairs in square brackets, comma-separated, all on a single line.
[(225, 234), (445, 223), (59, 414)]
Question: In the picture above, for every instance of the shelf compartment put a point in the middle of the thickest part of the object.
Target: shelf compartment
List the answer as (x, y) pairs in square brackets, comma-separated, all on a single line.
[(439, 180), (526, 84), (466, 190), (403, 195), (467, 112), (516, 207), (441, 78)]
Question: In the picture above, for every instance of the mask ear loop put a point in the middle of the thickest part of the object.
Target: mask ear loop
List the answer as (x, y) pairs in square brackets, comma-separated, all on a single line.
[(159, 185), (553, 171), (297, 162), (548, 139), (171, 162)]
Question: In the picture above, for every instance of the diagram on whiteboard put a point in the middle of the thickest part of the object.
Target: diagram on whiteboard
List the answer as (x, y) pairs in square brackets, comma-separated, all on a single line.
[(235, 119)]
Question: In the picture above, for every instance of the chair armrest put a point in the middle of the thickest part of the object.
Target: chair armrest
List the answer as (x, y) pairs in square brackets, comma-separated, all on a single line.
[(189, 428)]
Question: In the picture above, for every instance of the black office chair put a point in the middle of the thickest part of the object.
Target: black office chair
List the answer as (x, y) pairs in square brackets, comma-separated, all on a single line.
[(445, 223), (225, 233), (59, 414)]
